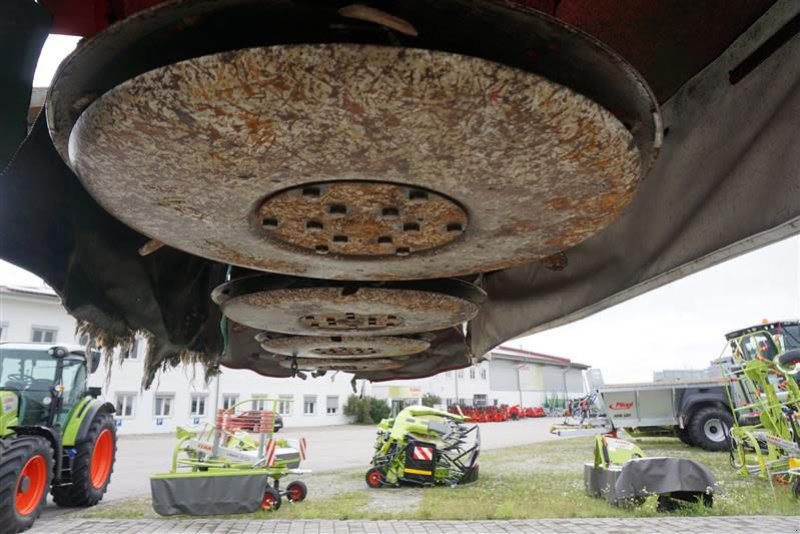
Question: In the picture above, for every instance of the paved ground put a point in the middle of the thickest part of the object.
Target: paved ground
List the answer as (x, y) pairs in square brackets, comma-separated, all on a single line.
[(573, 526)]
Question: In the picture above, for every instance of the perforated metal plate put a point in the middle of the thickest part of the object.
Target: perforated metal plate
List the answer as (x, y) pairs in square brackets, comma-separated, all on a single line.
[(188, 153), (362, 218), (341, 347), (329, 308)]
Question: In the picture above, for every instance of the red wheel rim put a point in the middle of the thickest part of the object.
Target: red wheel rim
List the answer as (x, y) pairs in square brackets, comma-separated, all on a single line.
[(375, 478), (102, 457), (268, 501), (294, 492), (31, 485)]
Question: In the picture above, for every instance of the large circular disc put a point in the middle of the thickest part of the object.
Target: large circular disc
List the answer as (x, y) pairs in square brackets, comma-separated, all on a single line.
[(187, 154), (336, 310), (342, 347)]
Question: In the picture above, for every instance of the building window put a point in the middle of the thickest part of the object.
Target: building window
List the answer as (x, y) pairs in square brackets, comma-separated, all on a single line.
[(126, 403), (229, 399), (460, 373), (285, 404), (472, 373), (332, 405), (484, 373), (133, 351), (163, 405), (199, 402), (43, 334), (260, 403), (3, 330), (309, 405), (479, 400)]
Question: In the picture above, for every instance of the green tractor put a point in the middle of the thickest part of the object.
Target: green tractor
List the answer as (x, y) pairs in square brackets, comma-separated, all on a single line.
[(54, 433)]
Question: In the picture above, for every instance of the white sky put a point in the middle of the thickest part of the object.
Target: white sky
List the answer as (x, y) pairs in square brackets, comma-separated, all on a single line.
[(681, 325), (678, 326)]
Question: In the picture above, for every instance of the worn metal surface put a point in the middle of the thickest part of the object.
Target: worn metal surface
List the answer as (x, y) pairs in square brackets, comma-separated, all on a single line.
[(341, 347), (346, 366), (334, 309), (184, 154), (361, 218)]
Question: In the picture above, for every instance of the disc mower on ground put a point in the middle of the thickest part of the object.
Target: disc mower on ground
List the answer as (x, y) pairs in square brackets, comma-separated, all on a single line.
[(225, 468), (55, 435), (424, 446)]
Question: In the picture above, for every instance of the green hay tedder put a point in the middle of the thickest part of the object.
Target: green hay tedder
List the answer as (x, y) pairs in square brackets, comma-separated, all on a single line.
[(765, 438)]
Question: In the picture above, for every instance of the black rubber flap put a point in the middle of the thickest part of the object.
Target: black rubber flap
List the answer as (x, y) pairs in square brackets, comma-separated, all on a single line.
[(208, 495)]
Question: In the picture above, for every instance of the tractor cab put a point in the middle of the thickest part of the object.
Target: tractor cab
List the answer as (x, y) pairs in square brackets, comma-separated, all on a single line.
[(48, 381)]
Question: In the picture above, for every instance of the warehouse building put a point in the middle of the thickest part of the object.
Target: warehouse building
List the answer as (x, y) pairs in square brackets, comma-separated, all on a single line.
[(510, 376)]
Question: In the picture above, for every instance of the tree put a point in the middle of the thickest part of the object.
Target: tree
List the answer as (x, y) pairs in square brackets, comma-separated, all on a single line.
[(430, 400)]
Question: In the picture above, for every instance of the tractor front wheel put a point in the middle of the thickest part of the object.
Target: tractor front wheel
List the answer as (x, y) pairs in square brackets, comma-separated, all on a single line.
[(271, 500), (296, 491), (26, 467), (92, 465)]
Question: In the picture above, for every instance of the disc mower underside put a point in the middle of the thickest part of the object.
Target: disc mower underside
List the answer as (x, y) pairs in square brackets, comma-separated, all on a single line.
[(298, 187)]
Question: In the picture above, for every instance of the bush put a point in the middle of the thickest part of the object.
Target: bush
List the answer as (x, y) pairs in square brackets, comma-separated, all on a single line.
[(430, 400), (366, 410), (378, 409)]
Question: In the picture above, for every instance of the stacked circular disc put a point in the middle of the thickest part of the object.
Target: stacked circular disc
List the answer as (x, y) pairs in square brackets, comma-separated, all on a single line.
[(355, 146), (328, 325)]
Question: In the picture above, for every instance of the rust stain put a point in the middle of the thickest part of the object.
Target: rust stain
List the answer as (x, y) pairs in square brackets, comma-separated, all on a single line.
[(343, 347), (524, 166)]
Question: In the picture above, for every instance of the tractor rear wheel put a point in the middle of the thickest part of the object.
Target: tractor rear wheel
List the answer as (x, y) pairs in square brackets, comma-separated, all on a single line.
[(296, 491), (26, 468), (92, 466)]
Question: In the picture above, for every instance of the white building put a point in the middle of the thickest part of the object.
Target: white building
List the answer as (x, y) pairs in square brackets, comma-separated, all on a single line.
[(178, 396), (510, 376)]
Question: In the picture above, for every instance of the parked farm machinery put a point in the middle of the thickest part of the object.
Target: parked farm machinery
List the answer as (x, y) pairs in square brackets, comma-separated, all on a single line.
[(765, 393), (425, 446), (225, 468), (496, 414)]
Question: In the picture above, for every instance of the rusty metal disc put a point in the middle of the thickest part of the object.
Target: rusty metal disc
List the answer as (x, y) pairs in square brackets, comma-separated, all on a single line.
[(197, 153), (356, 218), (320, 308), (342, 347), (346, 366)]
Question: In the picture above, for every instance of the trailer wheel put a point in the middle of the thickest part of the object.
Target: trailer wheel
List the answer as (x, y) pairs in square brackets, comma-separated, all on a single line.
[(296, 491), (375, 478), (710, 428), (92, 466), (271, 500), (683, 435), (26, 467)]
